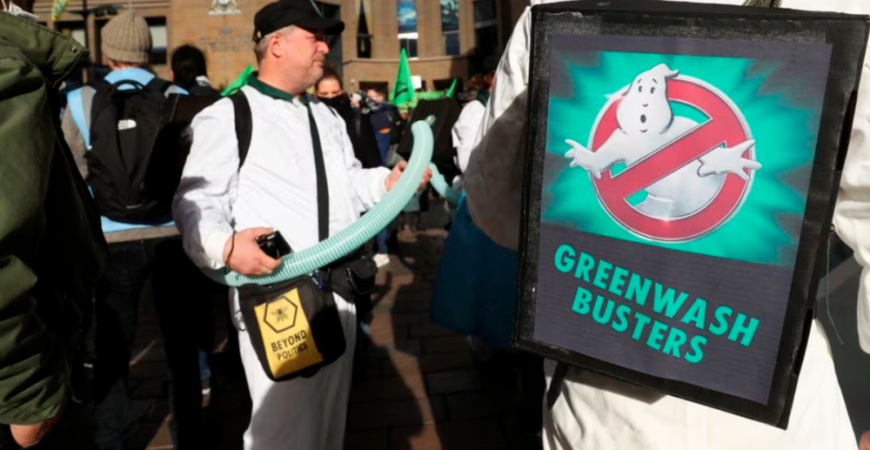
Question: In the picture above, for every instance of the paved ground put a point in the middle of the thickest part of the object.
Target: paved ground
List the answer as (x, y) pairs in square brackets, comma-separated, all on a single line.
[(416, 385)]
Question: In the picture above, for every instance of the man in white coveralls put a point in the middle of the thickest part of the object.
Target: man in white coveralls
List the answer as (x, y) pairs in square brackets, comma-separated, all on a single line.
[(597, 412), (222, 208)]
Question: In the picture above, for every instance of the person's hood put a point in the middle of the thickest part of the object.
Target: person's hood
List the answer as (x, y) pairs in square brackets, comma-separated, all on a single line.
[(53, 53)]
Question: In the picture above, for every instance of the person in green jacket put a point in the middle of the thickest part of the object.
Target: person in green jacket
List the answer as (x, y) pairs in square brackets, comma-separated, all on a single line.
[(51, 248)]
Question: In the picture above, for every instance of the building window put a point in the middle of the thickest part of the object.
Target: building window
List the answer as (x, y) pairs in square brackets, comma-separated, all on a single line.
[(334, 57), (75, 30), (419, 83), (159, 40), (450, 26), (408, 41), (485, 27), (407, 13), (363, 36), (451, 43)]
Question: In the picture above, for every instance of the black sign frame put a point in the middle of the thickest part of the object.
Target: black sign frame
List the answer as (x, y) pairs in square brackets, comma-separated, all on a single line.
[(848, 35)]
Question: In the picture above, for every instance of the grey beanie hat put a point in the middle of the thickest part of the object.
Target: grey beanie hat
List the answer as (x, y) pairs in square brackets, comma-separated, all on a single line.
[(126, 38)]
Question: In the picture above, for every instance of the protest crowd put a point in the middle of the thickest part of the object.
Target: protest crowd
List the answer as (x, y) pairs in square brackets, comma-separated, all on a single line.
[(133, 193)]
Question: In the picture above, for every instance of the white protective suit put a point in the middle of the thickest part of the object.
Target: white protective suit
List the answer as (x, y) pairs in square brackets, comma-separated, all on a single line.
[(276, 188), (600, 413), (465, 131)]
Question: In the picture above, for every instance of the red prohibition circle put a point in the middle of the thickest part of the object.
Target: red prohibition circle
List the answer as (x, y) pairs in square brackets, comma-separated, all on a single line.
[(725, 125)]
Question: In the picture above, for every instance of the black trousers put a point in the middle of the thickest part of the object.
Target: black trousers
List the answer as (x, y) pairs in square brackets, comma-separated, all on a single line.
[(182, 297), (116, 316)]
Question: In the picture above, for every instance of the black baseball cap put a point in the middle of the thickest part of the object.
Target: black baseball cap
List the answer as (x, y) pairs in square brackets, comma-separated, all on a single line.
[(302, 13)]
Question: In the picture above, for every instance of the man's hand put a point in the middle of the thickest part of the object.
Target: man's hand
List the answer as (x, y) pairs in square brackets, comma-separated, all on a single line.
[(397, 172), (30, 435), (865, 441), (243, 255)]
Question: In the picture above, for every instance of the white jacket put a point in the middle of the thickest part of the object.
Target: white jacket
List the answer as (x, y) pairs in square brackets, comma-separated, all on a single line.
[(599, 413), (465, 130), (277, 186)]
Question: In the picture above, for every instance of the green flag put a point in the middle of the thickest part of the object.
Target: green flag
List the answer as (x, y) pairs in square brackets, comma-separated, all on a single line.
[(452, 89), (238, 82), (434, 95), (403, 88)]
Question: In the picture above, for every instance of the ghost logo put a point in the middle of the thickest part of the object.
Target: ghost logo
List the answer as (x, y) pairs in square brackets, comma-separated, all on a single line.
[(281, 314), (695, 176)]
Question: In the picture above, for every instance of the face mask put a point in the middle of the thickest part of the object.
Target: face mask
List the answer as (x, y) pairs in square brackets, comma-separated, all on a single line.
[(340, 103)]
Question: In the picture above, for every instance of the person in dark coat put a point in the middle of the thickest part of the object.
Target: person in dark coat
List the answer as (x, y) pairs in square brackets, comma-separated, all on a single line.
[(365, 142), (330, 90)]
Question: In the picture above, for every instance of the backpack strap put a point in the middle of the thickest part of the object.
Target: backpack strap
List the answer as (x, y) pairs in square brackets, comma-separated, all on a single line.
[(244, 124), (102, 97)]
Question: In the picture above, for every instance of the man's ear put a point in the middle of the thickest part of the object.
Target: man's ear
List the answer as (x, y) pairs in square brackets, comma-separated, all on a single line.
[(276, 46)]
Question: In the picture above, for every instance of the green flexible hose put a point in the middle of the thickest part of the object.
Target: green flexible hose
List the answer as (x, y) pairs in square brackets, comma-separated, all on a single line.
[(354, 236), (441, 187)]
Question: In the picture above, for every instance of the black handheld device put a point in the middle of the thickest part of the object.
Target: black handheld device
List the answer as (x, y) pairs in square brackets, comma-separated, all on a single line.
[(274, 245)]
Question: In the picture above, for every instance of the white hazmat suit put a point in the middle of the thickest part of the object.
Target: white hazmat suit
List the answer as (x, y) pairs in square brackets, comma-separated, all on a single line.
[(601, 413)]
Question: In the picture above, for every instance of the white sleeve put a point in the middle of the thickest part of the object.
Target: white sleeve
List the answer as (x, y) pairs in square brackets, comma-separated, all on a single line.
[(852, 211), (369, 185), (209, 184), (465, 131), (494, 177)]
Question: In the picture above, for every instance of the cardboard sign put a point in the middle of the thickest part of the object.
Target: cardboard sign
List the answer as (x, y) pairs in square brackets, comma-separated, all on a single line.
[(683, 169)]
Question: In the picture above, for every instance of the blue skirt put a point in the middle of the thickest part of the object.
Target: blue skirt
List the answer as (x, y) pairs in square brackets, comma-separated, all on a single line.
[(476, 285)]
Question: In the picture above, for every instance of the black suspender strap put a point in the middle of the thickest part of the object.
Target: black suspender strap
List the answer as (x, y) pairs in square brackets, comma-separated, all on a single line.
[(322, 185), (244, 124), (555, 389)]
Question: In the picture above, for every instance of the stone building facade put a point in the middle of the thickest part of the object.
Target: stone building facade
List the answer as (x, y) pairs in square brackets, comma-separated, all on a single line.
[(365, 55)]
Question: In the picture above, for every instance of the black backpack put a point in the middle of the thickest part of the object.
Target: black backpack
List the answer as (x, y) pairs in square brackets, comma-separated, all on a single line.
[(133, 168)]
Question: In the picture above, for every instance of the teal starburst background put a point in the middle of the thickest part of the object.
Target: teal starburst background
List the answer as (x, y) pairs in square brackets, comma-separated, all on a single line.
[(783, 118)]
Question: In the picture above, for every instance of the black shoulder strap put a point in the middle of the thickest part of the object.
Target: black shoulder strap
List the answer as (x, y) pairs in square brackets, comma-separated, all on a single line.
[(322, 185), (102, 89), (555, 389), (244, 126)]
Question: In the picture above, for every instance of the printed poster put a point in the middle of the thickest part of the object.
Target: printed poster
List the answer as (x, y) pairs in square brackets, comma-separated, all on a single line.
[(675, 184), (407, 13), (449, 15)]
